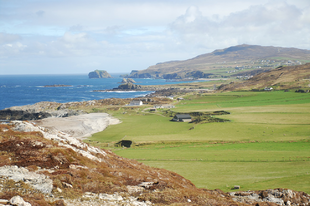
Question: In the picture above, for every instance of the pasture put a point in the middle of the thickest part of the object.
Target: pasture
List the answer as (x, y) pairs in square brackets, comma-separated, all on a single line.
[(266, 144)]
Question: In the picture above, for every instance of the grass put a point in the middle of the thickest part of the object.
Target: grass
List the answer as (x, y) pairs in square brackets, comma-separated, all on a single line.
[(265, 144)]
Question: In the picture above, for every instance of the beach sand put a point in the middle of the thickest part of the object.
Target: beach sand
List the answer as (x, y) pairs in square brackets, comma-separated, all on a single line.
[(81, 126)]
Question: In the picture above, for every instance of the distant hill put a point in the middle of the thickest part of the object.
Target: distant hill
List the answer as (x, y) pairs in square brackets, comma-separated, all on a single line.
[(224, 62), (290, 77)]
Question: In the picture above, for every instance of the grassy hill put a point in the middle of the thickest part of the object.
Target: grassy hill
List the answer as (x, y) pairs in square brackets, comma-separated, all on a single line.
[(225, 62)]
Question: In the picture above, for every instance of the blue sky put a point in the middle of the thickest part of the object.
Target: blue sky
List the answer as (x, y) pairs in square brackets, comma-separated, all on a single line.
[(79, 36)]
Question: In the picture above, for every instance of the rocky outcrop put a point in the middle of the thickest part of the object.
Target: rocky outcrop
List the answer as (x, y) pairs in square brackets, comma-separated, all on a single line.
[(38, 181), (128, 80), (99, 74), (9, 114), (129, 86), (37, 111), (277, 196), (12, 114)]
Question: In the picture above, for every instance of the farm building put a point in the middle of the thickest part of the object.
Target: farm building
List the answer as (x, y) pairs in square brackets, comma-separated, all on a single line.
[(268, 89), (135, 103), (182, 118)]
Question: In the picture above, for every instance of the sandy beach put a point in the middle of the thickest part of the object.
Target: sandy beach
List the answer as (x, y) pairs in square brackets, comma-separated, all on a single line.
[(81, 126)]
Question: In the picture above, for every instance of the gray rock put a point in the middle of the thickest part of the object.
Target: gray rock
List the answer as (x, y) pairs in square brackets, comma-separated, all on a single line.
[(37, 181)]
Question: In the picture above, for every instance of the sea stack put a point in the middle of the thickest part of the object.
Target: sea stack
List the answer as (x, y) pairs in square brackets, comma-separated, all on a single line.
[(99, 74)]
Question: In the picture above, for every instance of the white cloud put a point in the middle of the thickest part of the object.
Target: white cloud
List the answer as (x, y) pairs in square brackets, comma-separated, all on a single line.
[(276, 23), (143, 32)]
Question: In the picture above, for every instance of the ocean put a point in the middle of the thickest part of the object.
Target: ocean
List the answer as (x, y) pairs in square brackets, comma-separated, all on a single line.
[(18, 90)]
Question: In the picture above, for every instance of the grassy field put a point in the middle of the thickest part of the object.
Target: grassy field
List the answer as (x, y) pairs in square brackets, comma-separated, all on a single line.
[(266, 144)]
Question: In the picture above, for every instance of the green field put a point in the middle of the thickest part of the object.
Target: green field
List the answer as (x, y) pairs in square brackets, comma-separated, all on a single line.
[(265, 145)]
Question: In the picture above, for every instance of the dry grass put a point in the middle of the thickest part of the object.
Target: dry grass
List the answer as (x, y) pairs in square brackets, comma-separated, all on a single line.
[(111, 175), (292, 77)]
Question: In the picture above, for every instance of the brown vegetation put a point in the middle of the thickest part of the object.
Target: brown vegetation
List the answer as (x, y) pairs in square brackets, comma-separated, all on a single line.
[(281, 78), (111, 175)]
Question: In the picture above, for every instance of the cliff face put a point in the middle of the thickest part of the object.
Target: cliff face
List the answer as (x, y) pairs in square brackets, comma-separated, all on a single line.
[(99, 74)]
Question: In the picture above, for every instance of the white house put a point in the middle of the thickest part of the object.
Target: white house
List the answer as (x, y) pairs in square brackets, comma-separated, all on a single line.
[(135, 103)]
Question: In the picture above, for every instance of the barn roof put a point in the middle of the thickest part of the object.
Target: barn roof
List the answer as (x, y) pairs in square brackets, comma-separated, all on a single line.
[(182, 116)]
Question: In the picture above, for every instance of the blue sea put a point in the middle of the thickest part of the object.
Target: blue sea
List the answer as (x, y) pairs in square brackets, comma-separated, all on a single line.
[(18, 90)]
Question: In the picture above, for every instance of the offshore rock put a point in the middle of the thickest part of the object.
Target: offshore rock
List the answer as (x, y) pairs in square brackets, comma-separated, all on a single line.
[(128, 80), (99, 74), (129, 86)]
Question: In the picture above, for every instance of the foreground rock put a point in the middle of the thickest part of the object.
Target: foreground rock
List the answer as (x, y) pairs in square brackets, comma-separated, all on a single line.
[(276, 196), (37, 181)]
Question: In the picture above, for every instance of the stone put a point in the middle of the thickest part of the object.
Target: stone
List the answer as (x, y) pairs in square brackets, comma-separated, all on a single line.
[(18, 201), (67, 185), (3, 201)]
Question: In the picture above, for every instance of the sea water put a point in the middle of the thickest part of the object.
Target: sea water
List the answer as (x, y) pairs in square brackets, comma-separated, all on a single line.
[(18, 90)]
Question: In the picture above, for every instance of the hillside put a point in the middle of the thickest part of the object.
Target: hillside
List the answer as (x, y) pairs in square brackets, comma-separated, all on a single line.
[(40, 162), (281, 78), (224, 62)]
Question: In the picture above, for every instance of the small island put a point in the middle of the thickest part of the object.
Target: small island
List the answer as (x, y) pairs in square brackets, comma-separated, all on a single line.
[(99, 74)]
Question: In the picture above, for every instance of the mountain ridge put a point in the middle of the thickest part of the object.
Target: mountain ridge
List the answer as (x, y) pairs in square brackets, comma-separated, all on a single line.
[(229, 57)]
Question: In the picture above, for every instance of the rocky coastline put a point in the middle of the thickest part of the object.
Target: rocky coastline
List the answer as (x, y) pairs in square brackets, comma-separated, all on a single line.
[(37, 111)]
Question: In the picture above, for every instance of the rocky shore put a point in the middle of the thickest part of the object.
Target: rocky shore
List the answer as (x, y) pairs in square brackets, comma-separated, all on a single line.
[(37, 111)]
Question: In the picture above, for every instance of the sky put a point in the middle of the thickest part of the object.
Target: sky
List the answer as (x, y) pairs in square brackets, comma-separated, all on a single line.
[(79, 36)]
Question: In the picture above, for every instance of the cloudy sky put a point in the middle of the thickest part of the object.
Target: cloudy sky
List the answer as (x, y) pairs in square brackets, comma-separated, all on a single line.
[(78, 36)]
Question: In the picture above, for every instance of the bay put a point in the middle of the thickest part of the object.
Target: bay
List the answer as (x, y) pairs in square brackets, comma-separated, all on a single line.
[(18, 90)]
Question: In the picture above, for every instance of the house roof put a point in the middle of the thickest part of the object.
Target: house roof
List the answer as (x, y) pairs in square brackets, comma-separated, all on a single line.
[(182, 116)]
